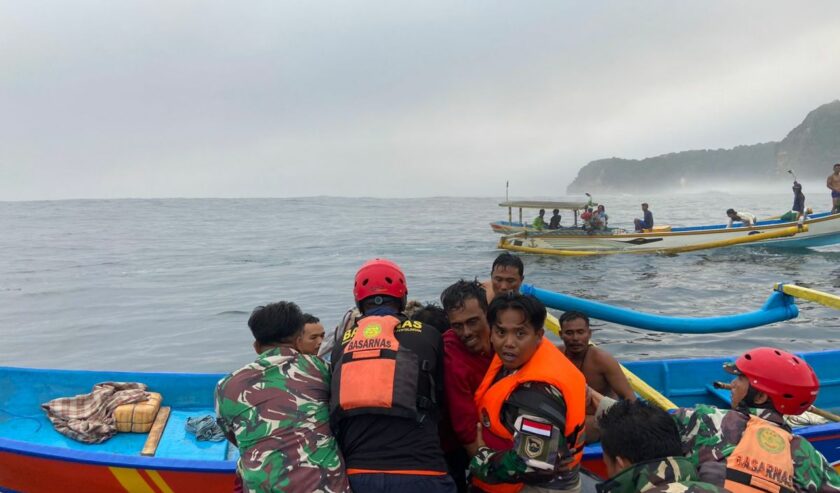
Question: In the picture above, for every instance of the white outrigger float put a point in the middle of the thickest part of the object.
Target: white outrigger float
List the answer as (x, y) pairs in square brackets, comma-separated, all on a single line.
[(815, 230)]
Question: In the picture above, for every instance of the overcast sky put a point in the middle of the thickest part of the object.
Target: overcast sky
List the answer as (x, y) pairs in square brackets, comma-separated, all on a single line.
[(291, 98)]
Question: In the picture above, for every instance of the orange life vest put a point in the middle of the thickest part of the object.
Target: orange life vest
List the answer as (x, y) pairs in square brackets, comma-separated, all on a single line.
[(761, 462), (375, 374), (547, 365)]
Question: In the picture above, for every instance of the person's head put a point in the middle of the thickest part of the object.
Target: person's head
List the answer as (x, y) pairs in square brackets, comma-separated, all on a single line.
[(542, 212), (555, 211), (773, 379), (575, 332), (634, 432), (465, 303), (601, 208), (310, 338), (516, 327), (644, 206), (797, 187), (275, 323), (433, 315), (837, 168), (380, 282), (507, 273), (731, 213)]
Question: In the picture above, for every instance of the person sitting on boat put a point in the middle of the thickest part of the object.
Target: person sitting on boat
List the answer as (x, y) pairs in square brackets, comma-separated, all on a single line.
[(539, 221), (833, 184), (386, 391), (554, 223), (602, 371), (599, 219), (466, 356), (646, 223), (798, 209), (310, 338), (531, 403), (643, 452), (747, 220), (728, 445), (586, 218), (506, 275), (275, 410)]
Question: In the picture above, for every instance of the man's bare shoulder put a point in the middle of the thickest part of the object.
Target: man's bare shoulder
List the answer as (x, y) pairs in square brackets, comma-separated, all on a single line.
[(602, 357)]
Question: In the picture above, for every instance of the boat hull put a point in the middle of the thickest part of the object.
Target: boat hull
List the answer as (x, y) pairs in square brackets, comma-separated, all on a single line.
[(822, 229)]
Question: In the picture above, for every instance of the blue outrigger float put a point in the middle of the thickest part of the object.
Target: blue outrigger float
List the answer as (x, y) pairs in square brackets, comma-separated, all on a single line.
[(36, 458)]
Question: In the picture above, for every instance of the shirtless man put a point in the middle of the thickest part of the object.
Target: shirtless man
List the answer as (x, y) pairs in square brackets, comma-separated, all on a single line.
[(833, 183), (506, 276), (602, 371)]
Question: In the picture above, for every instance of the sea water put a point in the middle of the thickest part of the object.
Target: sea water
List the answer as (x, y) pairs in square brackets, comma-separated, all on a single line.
[(168, 285)]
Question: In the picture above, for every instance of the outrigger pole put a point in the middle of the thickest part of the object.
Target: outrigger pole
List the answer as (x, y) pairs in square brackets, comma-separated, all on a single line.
[(826, 299)]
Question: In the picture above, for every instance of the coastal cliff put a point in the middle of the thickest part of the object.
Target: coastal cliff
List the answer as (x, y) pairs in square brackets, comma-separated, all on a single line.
[(810, 149)]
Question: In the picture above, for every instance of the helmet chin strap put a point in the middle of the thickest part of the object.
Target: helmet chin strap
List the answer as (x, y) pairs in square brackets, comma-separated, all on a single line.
[(749, 401)]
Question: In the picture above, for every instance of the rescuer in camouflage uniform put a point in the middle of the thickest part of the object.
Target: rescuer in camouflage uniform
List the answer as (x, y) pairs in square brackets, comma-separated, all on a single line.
[(769, 383), (643, 452), (276, 411)]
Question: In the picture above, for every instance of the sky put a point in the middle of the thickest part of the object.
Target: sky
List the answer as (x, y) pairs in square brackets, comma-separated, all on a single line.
[(104, 99)]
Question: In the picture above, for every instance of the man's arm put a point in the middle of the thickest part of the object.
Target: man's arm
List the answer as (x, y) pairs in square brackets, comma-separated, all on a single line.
[(460, 403), (614, 376)]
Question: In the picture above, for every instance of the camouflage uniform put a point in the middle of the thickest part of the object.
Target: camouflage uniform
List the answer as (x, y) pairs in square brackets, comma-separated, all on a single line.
[(508, 467), (276, 411), (667, 475), (710, 435)]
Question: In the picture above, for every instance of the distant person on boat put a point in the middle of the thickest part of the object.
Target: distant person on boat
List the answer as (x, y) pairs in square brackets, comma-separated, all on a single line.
[(310, 339), (833, 183), (506, 276), (602, 371), (387, 387), (275, 410), (554, 223), (532, 404), (643, 452), (745, 218), (586, 218), (798, 208), (646, 223), (539, 221), (599, 219), (769, 383), (466, 356)]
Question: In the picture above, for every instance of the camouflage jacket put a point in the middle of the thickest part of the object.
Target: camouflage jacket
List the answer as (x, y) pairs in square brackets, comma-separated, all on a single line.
[(710, 435), (276, 411), (506, 466), (668, 475)]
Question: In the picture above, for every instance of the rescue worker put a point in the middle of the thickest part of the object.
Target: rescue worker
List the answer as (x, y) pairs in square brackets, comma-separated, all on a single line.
[(386, 391), (643, 452), (531, 406), (750, 448)]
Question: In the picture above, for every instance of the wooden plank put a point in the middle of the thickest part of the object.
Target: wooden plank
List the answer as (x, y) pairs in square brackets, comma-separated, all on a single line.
[(156, 432)]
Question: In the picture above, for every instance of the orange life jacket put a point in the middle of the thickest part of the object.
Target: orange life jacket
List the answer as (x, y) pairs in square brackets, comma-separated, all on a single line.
[(375, 374), (761, 462), (547, 365)]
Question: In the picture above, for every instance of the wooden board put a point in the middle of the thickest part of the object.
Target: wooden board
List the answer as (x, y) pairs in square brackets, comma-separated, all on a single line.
[(156, 432)]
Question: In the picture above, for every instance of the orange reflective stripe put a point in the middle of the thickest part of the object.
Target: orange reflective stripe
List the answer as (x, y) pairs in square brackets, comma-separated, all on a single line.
[(397, 471)]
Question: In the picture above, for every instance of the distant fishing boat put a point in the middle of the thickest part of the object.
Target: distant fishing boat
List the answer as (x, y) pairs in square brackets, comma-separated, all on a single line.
[(816, 230)]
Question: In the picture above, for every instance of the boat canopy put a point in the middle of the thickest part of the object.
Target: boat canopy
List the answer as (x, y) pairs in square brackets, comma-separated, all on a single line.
[(538, 204)]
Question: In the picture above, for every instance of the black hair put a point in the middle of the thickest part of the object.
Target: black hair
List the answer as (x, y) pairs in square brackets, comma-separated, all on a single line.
[(555, 211), (573, 315), (432, 314), (454, 297), (276, 322), (533, 308), (507, 259), (638, 432), (309, 318), (730, 211)]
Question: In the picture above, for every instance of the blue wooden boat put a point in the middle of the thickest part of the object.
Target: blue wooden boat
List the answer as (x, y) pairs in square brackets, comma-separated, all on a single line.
[(35, 458)]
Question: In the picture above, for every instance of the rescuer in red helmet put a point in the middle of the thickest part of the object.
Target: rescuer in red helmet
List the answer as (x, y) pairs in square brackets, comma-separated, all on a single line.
[(386, 390), (750, 448)]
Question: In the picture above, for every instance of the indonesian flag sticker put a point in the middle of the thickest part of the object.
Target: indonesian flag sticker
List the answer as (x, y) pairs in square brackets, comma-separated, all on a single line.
[(536, 428)]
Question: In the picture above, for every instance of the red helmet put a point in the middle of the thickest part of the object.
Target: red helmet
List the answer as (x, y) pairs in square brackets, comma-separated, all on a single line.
[(379, 277), (786, 378)]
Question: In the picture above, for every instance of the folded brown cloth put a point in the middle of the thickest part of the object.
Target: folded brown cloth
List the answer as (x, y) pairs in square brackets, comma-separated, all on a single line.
[(89, 417)]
